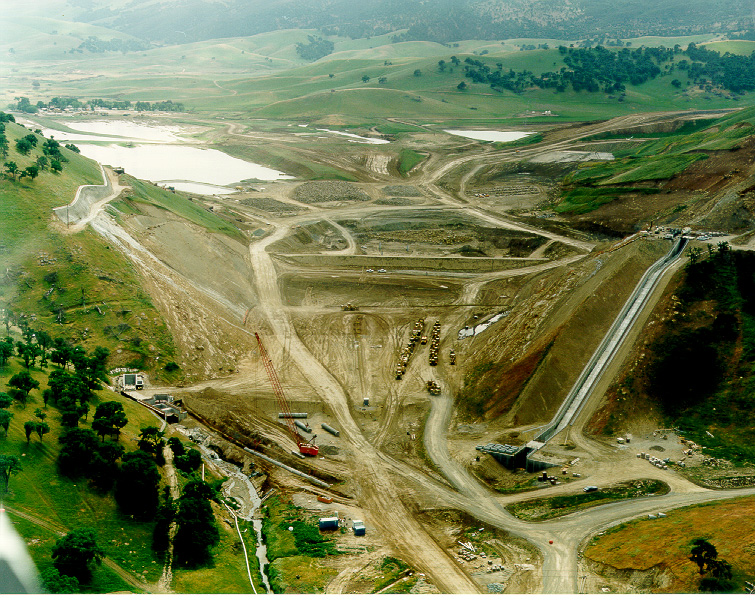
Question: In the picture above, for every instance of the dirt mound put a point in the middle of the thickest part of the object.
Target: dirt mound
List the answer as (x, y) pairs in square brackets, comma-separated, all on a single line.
[(271, 205), (329, 192)]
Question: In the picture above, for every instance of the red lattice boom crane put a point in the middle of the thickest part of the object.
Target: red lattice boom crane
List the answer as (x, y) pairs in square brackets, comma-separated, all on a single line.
[(308, 448)]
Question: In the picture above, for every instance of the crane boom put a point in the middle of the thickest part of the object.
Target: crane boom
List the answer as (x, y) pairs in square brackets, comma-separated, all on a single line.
[(306, 447)]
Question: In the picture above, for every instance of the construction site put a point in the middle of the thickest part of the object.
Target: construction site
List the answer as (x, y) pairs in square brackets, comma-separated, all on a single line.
[(416, 355)]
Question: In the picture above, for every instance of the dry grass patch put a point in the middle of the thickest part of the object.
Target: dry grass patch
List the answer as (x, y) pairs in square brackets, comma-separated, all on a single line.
[(645, 543)]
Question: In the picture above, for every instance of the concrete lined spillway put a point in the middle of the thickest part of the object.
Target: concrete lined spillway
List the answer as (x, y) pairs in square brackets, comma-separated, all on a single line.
[(608, 347)]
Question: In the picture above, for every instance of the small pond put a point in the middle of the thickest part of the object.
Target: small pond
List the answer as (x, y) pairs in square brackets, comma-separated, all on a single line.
[(490, 135)]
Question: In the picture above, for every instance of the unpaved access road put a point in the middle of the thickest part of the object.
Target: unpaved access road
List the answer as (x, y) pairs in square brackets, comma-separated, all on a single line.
[(382, 500)]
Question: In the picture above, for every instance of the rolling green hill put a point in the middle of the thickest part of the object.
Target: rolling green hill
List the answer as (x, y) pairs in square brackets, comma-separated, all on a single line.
[(441, 20), (263, 75)]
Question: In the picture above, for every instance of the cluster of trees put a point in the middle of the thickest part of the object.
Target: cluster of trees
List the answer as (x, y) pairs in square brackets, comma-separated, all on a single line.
[(68, 102), (83, 455), (729, 71), (97, 46), (96, 455), (51, 156), (196, 531), (700, 371), (74, 556), (596, 69), (717, 573), (315, 49), (590, 69), (164, 105), (186, 460)]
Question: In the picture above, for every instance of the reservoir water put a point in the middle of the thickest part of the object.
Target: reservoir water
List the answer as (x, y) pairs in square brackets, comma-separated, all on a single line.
[(158, 153), (180, 165)]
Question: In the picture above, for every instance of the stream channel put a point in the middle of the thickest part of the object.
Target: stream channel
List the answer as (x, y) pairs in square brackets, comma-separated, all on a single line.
[(239, 488)]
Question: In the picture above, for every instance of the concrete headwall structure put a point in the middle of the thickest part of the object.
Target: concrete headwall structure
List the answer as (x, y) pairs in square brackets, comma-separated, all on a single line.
[(86, 196)]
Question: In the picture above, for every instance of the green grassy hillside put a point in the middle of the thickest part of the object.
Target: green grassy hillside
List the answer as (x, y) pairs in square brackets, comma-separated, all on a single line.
[(96, 287), (26, 205), (61, 504), (51, 504), (76, 286), (655, 162)]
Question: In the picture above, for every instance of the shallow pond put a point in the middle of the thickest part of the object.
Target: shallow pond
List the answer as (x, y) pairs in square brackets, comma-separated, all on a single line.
[(489, 135)]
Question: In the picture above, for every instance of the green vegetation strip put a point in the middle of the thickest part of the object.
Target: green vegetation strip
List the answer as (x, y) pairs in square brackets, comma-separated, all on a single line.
[(583, 200), (408, 159), (560, 505), (294, 553)]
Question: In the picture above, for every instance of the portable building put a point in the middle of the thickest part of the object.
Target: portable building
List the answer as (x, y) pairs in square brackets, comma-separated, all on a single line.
[(329, 524)]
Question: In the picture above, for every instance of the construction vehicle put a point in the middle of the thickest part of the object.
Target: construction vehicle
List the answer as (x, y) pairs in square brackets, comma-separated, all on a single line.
[(308, 448), (349, 307), (452, 357), (434, 343), (433, 388)]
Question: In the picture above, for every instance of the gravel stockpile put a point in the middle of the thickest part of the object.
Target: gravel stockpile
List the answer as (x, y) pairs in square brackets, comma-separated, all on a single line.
[(402, 190), (271, 205), (328, 192)]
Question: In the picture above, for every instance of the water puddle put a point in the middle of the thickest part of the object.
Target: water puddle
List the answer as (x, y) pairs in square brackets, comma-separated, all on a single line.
[(489, 135), (196, 187), (470, 331), (362, 139)]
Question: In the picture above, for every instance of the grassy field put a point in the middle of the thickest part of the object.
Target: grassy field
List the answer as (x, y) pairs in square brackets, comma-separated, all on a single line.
[(98, 290), (561, 505), (227, 572), (294, 163), (292, 571), (408, 159), (635, 545), (177, 203), (26, 205), (660, 158)]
